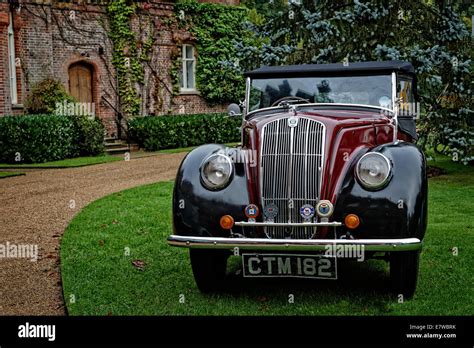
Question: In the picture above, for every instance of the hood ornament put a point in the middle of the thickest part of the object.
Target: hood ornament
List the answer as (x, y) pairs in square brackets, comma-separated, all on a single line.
[(293, 109)]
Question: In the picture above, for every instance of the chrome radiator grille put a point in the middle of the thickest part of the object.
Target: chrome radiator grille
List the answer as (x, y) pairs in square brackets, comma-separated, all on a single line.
[(291, 166)]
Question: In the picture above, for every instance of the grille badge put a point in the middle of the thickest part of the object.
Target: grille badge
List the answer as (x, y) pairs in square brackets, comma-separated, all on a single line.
[(270, 211), (307, 212), (292, 122), (251, 212)]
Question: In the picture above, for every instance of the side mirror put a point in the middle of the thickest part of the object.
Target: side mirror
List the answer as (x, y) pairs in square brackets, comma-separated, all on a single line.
[(234, 110)]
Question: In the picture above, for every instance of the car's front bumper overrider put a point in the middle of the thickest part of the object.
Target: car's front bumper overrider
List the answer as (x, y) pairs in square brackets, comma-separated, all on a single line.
[(265, 244)]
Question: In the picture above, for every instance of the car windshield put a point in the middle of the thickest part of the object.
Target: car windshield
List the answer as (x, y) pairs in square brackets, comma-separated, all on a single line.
[(373, 90)]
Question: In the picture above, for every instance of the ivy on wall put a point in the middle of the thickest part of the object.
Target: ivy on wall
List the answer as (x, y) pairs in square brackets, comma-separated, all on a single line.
[(216, 29), (125, 57), (175, 71)]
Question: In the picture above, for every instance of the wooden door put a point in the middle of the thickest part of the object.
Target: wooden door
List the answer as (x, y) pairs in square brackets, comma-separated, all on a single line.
[(80, 83)]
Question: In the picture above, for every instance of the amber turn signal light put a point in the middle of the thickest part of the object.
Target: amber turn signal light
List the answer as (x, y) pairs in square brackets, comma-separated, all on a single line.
[(352, 221), (227, 222)]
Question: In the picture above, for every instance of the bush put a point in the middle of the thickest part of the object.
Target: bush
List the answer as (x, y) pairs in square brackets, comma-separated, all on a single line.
[(43, 138), (163, 132), (44, 95), (89, 136)]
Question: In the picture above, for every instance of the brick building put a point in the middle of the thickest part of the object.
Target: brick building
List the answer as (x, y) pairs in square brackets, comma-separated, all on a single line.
[(67, 40)]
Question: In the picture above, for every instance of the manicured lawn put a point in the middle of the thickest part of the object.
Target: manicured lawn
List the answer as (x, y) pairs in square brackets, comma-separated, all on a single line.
[(108, 236), (8, 174), (67, 163)]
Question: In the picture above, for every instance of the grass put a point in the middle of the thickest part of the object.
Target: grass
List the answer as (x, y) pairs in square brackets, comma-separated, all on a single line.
[(66, 163), (102, 242), (8, 174)]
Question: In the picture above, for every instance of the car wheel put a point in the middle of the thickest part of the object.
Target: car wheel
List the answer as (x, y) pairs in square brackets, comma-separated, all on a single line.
[(404, 272), (209, 268)]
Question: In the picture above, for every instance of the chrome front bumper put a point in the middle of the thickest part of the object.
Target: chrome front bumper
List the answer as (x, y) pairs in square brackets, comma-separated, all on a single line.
[(402, 244)]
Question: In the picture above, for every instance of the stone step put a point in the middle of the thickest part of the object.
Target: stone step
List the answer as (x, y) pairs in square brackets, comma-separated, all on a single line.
[(111, 140), (114, 141), (115, 145), (117, 150), (114, 149)]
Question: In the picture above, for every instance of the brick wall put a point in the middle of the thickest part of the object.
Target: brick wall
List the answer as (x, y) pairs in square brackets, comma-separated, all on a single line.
[(5, 104), (50, 36)]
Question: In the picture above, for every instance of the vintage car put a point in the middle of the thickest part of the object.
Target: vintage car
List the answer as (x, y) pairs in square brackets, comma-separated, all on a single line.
[(326, 166)]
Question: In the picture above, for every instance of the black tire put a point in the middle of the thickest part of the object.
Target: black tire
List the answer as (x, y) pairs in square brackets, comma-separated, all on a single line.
[(209, 268), (404, 272)]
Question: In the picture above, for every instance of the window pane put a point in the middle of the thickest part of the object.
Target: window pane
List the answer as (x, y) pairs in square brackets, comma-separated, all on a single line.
[(189, 52), (405, 91), (190, 74)]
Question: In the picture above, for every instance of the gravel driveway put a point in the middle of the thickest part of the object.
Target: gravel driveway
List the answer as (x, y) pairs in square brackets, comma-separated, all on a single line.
[(35, 210)]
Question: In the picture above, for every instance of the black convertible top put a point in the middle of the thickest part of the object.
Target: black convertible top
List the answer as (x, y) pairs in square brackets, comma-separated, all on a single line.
[(332, 69)]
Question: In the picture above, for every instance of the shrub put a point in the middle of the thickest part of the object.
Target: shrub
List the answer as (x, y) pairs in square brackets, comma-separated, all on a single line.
[(42, 138), (89, 136), (44, 95), (162, 132)]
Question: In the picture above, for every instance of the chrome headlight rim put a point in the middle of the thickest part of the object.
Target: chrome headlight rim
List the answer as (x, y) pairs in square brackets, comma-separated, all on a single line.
[(382, 184), (205, 180)]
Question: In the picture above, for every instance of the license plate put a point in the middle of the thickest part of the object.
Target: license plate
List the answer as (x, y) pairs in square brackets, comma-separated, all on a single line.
[(289, 265)]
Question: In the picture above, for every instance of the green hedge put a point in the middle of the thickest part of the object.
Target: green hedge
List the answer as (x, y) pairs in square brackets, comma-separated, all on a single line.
[(43, 138), (163, 132)]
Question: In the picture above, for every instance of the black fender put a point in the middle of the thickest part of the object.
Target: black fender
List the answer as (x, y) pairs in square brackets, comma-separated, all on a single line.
[(197, 210), (398, 210)]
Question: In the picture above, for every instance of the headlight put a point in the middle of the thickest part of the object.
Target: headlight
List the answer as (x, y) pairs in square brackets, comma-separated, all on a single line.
[(216, 171), (373, 170)]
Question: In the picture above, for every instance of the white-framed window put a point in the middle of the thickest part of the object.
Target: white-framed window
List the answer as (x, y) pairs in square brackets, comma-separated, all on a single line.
[(11, 61), (188, 69)]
